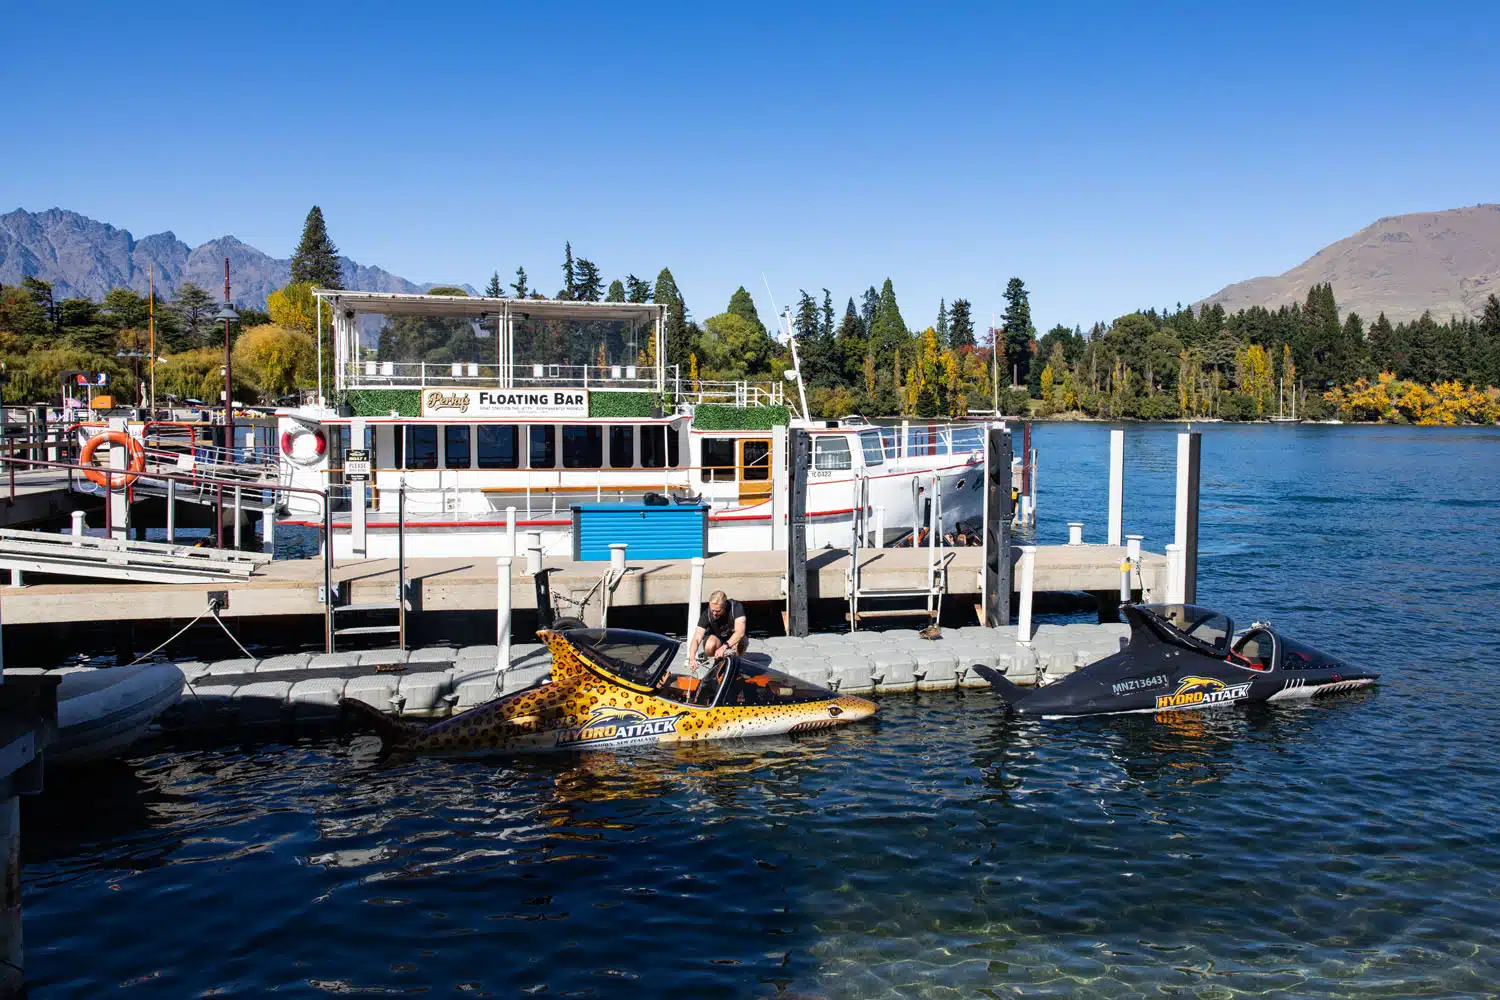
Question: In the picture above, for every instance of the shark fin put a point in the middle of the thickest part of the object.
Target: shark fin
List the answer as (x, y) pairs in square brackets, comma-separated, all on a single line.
[(392, 732), (1008, 692)]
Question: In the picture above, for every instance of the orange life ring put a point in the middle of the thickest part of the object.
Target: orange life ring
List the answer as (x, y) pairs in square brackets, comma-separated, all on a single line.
[(289, 444), (117, 480)]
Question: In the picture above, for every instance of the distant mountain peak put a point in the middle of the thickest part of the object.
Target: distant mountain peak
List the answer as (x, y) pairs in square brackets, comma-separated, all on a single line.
[(83, 257), (1445, 262)]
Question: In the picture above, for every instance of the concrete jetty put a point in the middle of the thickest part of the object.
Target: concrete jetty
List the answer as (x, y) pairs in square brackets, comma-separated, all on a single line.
[(438, 681), (291, 587)]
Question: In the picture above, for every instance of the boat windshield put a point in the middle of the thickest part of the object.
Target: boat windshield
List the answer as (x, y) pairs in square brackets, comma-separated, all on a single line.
[(638, 657), (756, 684), (1203, 626), (1300, 656)]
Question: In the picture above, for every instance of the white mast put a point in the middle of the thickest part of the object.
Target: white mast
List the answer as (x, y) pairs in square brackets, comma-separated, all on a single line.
[(786, 319)]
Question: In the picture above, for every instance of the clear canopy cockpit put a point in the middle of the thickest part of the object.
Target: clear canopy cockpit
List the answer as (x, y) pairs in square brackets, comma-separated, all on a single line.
[(1200, 626)]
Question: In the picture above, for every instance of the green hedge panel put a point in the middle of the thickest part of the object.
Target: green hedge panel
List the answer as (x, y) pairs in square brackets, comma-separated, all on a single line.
[(718, 417), (620, 404), (380, 402)]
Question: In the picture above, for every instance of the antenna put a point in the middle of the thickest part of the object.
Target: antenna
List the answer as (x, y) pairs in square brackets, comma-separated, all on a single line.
[(772, 295)]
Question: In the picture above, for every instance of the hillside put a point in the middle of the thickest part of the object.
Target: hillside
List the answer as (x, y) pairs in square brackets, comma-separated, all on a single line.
[(1402, 265), (85, 258)]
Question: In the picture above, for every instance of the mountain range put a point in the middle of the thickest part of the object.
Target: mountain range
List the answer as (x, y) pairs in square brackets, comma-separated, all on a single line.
[(85, 258), (1403, 265)]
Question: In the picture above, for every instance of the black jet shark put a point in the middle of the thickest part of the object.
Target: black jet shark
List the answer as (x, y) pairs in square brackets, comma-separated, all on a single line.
[(1186, 658)]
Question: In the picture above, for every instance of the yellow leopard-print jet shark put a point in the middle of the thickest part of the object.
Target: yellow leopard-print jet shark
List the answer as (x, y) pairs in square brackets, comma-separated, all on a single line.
[(616, 688)]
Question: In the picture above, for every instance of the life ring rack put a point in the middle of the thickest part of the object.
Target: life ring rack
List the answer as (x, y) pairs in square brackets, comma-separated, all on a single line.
[(115, 480), (289, 440)]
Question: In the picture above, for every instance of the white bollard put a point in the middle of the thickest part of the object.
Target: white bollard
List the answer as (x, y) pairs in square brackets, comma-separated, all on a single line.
[(1075, 532), (694, 596), (502, 614), (1133, 548), (237, 518), (172, 511), (879, 528), (1028, 580), (617, 558), (510, 530), (78, 523), (1116, 484), (268, 528), (533, 553), (1174, 574), (1184, 443)]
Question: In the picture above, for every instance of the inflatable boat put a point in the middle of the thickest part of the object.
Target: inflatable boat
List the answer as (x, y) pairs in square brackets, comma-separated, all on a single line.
[(102, 711)]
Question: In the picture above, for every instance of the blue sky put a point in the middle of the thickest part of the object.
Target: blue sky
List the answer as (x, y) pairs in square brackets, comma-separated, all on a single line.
[(1113, 159)]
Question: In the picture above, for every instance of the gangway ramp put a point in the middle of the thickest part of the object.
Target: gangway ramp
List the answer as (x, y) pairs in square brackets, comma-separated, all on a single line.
[(116, 559)]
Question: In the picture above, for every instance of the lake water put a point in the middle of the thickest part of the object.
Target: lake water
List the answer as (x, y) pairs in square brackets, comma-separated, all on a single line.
[(1348, 848)]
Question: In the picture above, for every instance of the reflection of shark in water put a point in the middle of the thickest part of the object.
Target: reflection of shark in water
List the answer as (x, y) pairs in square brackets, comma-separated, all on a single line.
[(616, 688)]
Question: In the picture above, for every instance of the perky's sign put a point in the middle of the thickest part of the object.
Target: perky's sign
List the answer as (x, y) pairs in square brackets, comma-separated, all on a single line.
[(505, 402)]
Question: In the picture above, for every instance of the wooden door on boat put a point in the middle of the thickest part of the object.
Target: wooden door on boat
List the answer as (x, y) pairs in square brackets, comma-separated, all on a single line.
[(755, 469)]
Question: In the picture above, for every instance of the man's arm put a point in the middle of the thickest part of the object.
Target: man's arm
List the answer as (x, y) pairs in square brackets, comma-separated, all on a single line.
[(735, 637), (695, 643)]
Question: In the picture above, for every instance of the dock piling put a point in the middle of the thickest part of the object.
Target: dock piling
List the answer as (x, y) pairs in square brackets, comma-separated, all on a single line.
[(510, 530), (238, 518), (1174, 574), (995, 580), (172, 511), (796, 549), (502, 613), (268, 527), (1116, 484), (1075, 532), (694, 596), (1028, 578), (78, 523), (533, 553), (1189, 463)]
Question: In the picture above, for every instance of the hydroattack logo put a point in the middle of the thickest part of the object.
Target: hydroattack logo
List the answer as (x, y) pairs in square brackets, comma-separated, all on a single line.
[(1202, 692), (619, 727)]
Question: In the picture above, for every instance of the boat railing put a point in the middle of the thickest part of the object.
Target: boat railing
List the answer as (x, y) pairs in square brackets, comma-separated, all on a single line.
[(741, 393), (909, 440)]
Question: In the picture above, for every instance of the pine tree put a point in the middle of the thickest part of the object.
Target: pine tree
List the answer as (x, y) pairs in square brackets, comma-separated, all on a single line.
[(616, 291), (587, 285), (1018, 331), (679, 337), (825, 329), (888, 331), (637, 290), (850, 345), (519, 285), (1385, 351), (743, 306), (869, 305), (960, 325), (568, 272), (316, 259), (1489, 338), (942, 323), (194, 306), (493, 290)]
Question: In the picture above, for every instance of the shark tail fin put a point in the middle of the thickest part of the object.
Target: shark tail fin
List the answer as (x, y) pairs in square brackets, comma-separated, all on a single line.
[(1009, 693), (392, 732)]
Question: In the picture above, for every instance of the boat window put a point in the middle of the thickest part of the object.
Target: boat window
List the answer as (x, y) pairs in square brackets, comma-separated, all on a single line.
[(757, 461), (398, 445), (421, 446), (830, 452), (888, 442), (674, 447), (543, 446), (755, 684), (718, 460), (638, 657), (582, 446), (621, 447), (653, 447), (873, 448), (497, 447), (1259, 648), (456, 446), (1203, 625), (1300, 656)]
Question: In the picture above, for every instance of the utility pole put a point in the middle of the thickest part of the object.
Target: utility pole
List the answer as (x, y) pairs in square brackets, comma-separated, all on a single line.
[(151, 342)]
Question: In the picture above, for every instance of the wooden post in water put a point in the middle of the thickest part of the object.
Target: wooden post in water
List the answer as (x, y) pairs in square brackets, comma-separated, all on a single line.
[(800, 445), (995, 582)]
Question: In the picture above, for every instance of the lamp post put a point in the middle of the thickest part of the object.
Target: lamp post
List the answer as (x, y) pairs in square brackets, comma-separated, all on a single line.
[(228, 315), (136, 356)]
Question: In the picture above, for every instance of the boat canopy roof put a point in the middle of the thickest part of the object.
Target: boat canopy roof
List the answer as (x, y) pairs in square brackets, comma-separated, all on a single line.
[(635, 657), (1190, 624), (406, 304)]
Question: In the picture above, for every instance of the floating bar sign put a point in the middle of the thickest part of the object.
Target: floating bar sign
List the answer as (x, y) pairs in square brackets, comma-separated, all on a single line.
[(505, 402)]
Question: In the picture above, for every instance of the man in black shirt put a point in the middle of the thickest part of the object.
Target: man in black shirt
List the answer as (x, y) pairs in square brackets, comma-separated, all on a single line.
[(721, 628)]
